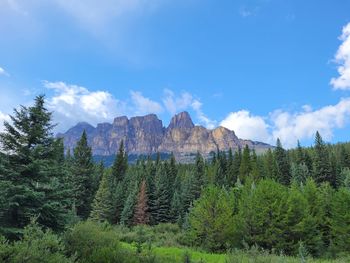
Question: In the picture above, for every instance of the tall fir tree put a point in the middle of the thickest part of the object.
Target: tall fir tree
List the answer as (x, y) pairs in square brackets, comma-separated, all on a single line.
[(322, 168), (82, 176), (163, 196), (283, 166), (120, 165), (245, 165), (102, 206), (32, 181)]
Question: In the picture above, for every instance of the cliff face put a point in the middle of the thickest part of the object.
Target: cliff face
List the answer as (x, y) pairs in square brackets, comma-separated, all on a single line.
[(146, 135)]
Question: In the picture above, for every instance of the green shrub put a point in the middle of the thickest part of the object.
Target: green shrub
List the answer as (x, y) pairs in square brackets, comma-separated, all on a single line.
[(36, 246), (96, 243)]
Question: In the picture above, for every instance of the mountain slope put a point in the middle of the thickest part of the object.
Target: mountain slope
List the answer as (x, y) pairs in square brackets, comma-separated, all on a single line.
[(146, 135)]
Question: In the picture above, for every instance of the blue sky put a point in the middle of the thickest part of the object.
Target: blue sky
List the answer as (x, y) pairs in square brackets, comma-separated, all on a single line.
[(263, 68)]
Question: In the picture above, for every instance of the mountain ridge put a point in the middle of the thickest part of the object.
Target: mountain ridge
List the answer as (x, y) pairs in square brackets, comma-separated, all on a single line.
[(147, 135)]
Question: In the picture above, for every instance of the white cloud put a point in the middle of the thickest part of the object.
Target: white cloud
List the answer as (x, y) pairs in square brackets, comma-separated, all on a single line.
[(174, 104), (197, 107), (247, 126), (3, 117), (72, 104), (290, 126), (342, 57), (143, 105), (3, 72)]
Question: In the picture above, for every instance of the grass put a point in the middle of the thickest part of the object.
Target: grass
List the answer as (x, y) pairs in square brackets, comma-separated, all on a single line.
[(176, 255)]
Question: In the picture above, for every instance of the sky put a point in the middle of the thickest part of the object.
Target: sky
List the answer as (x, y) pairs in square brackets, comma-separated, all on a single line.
[(265, 69)]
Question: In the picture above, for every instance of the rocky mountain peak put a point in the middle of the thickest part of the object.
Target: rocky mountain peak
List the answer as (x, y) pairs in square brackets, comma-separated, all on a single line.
[(121, 121), (182, 120), (147, 135)]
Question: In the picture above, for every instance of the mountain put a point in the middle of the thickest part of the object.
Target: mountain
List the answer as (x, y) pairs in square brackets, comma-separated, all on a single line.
[(147, 135)]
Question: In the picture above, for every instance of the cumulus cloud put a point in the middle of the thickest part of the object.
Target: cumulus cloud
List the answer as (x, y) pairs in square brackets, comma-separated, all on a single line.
[(143, 105), (342, 57), (290, 127), (174, 104), (247, 126), (72, 103)]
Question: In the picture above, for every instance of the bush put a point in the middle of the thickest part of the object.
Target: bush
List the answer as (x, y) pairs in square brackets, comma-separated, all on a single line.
[(96, 243), (36, 246)]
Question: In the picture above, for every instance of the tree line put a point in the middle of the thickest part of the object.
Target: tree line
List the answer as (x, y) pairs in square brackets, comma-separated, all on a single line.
[(279, 200)]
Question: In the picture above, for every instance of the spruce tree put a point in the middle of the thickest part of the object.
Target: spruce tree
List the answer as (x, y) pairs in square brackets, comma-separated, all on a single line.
[(270, 165), (32, 179), (322, 169), (245, 166), (283, 166), (340, 221), (163, 197), (82, 176), (120, 165), (102, 206)]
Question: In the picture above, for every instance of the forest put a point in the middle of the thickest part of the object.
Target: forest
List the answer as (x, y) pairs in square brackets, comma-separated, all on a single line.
[(279, 206)]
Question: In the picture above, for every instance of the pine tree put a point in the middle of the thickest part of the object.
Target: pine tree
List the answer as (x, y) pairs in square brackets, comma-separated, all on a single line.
[(102, 207), (210, 219), (271, 170), (176, 208), (322, 169), (344, 161), (163, 197), (128, 209), (120, 165), (31, 179), (141, 216), (340, 221), (245, 167), (82, 175), (283, 166)]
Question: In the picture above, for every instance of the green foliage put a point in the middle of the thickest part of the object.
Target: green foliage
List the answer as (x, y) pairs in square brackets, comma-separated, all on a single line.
[(82, 177), (32, 182), (340, 221), (36, 246), (283, 165), (95, 243), (102, 207), (210, 219)]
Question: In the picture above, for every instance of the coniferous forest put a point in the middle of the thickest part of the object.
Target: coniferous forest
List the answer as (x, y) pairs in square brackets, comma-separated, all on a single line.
[(280, 206)]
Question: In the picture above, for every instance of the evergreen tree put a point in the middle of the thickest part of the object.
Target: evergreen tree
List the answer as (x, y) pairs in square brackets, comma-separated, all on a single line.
[(283, 166), (322, 169), (102, 207), (261, 213), (176, 208), (163, 197), (299, 172), (128, 209), (31, 178), (82, 176), (141, 216), (120, 165), (340, 221), (271, 170), (210, 219), (245, 166)]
